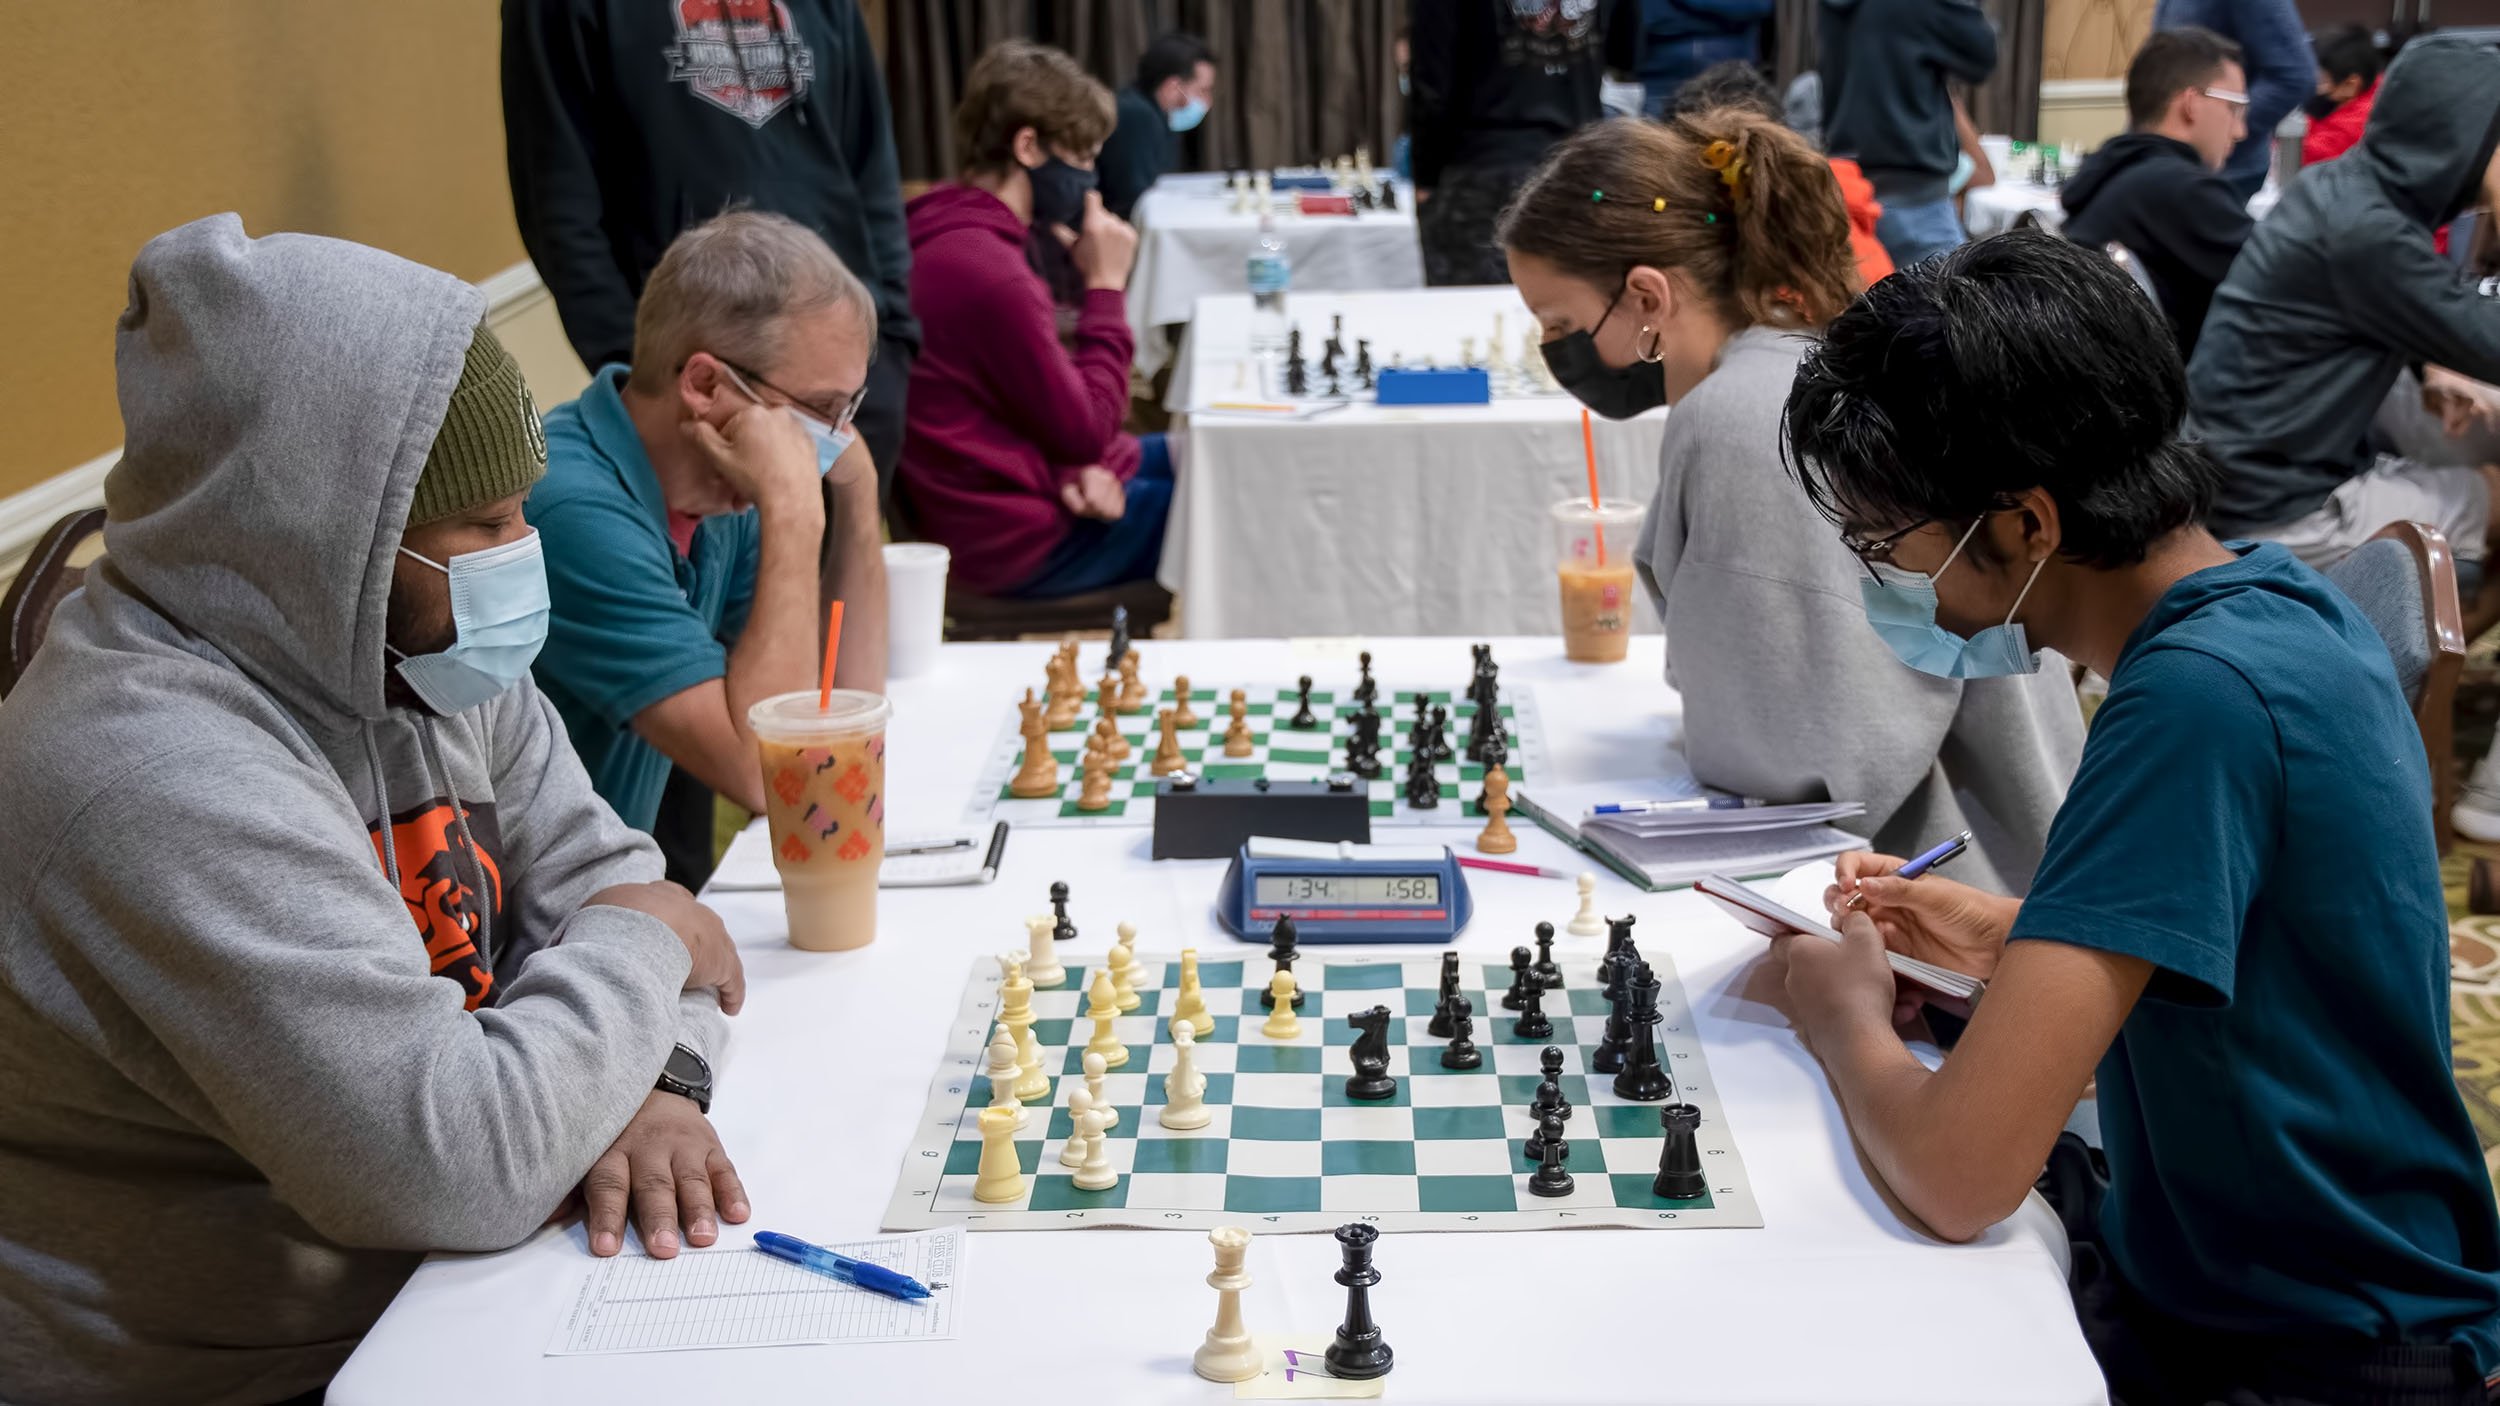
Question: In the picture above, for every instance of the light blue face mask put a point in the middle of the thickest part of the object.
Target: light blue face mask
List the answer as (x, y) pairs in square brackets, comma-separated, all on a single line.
[(499, 620), (1187, 115), (830, 443), (1901, 605)]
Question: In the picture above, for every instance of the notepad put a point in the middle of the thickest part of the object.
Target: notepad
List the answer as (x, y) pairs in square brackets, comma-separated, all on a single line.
[(731, 1295), (911, 861)]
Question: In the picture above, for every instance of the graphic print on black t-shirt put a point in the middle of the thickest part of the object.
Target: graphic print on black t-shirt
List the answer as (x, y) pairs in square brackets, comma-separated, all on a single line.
[(438, 880), (744, 57)]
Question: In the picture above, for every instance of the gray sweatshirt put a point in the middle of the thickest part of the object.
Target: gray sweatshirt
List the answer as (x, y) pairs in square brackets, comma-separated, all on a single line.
[(1788, 694), (255, 1057)]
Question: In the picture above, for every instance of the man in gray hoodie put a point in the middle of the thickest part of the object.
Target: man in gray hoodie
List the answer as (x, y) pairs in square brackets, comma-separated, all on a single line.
[(287, 721)]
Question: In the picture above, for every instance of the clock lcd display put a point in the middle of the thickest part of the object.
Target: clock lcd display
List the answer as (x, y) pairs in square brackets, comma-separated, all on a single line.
[(1419, 890)]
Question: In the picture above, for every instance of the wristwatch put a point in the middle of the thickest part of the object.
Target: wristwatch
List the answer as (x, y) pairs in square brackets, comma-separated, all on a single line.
[(687, 1075)]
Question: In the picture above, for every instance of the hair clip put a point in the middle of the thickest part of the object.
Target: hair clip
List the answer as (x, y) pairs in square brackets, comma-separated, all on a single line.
[(1596, 196), (1720, 156)]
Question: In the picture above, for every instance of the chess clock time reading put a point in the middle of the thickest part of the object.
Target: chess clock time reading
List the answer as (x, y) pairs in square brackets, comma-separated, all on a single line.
[(1422, 890)]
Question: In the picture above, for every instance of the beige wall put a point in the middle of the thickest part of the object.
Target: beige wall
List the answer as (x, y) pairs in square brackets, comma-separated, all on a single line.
[(2091, 38), (373, 121)]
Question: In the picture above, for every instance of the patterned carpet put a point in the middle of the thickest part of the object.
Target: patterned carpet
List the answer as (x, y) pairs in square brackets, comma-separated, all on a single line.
[(2474, 943)]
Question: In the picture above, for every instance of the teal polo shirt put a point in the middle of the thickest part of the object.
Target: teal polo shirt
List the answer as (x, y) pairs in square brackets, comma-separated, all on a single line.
[(631, 619)]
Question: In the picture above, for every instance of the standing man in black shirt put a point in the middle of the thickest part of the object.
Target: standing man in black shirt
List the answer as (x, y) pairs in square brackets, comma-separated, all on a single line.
[(627, 122), (1495, 84)]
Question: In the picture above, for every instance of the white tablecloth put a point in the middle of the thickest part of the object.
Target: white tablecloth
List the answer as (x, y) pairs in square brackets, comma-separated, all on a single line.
[(1405, 520), (1993, 209), (1834, 1300), (1190, 244)]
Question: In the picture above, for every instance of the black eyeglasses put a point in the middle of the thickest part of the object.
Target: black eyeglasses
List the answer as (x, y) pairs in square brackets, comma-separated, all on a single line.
[(1878, 551), (840, 420)]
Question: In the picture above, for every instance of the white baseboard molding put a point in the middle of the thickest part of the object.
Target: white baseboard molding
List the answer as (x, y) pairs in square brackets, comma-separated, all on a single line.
[(27, 515)]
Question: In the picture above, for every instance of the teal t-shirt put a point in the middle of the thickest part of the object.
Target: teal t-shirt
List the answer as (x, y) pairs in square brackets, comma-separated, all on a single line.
[(2288, 1154), (631, 620)]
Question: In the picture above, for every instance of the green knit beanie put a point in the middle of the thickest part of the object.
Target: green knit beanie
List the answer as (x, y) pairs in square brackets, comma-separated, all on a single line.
[(490, 445)]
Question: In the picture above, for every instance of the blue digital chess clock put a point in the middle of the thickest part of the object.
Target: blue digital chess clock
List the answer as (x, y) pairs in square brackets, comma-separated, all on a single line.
[(1345, 892)]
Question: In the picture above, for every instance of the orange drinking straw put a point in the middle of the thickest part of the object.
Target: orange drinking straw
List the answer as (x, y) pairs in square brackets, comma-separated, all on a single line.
[(1588, 446), (833, 647)]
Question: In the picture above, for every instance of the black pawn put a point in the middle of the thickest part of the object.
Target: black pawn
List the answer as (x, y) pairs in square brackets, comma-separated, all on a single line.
[(1441, 735), (1521, 978), (1423, 787), (1462, 1052), (1551, 1063), (1548, 1102), (1358, 1354), (1439, 1029), (1642, 1078), (1302, 718), (1533, 1023), (1281, 951), (1060, 928), (1366, 689), (1552, 1152), (1418, 731), (1547, 971), (1679, 1161)]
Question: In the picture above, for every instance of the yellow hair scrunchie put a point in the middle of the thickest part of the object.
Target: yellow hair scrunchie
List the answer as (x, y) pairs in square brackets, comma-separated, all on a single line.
[(1720, 156)]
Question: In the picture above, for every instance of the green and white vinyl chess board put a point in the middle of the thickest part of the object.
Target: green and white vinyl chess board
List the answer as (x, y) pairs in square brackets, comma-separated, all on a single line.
[(1287, 1150), (1278, 752)]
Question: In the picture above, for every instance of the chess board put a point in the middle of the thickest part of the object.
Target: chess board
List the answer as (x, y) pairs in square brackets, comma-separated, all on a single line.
[(1287, 1150), (1278, 752)]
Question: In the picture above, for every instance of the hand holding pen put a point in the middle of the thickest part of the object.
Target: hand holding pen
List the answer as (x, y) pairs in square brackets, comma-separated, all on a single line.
[(1931, 918), (1942, 854)]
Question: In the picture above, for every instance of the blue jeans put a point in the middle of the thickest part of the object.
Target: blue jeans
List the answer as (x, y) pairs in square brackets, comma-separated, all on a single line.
[(1098, 555), (1914, 232)]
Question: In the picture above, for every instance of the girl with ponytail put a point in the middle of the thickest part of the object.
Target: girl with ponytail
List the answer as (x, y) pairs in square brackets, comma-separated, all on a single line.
[(1691, 263)]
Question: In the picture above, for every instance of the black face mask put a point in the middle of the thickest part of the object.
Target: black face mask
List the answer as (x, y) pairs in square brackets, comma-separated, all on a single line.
[(1616, 392), (1059, 193), (2318, 105)]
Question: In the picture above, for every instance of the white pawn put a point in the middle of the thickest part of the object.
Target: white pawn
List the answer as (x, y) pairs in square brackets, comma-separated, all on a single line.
[(1228, 1355), (1097, 1173), (1094, 1068), (1042, 968), (1003, 1073), (1080, 1108), (1281, 1022), (1124, 968), (1184, 1089), (1586, 923)]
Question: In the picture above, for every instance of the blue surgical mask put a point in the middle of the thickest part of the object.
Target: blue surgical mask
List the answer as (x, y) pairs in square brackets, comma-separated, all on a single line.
[(499, 620), (1187, 115), (830, 442), (1901, 605)]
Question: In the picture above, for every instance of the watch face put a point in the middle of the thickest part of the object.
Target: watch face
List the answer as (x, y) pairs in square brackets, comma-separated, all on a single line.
[(687, 1067)]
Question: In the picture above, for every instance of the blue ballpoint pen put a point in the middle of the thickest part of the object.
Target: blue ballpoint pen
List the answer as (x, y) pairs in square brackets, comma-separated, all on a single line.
[(859, 1273), (1672, 807), (1948, 850)]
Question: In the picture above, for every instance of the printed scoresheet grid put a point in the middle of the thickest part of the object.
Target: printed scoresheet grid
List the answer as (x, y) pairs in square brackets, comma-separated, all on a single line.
[(735, 1296)]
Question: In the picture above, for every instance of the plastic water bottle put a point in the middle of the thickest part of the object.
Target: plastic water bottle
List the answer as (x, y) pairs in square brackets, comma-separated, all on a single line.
[(1271, 275)]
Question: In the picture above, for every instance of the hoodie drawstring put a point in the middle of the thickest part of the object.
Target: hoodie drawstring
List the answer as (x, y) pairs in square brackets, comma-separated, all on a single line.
[(382, 807)]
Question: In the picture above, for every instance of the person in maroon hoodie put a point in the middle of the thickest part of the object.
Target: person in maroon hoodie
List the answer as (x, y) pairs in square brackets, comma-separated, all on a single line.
[(1012, 452)]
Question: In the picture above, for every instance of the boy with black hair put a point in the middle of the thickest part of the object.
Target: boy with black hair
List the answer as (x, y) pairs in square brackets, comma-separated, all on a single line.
[(1175, 84), (2158, 188), (2238, 921), (2348, 69)]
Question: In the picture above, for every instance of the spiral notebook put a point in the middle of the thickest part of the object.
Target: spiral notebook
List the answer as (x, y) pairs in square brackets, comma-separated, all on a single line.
[(1662, 850)]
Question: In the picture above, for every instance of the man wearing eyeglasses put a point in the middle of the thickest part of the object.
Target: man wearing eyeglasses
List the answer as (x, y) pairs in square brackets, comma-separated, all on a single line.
[(2158, 189), (682, 514)]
